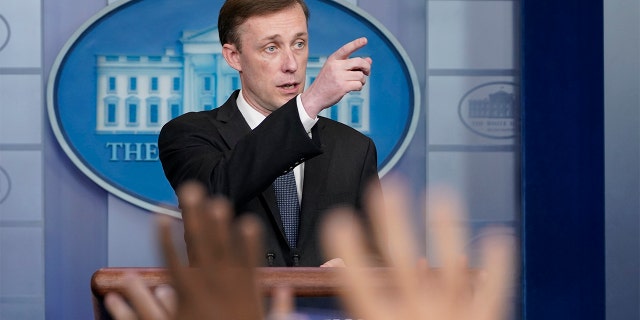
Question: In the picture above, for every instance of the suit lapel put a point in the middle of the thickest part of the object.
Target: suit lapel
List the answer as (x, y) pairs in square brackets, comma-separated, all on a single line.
[(233, 127), (315, 169), (314, 184), (268, 199)]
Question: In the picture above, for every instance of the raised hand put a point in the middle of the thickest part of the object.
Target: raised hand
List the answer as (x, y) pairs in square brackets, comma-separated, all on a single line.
[(221, 285), (339, 76), (415, 289)]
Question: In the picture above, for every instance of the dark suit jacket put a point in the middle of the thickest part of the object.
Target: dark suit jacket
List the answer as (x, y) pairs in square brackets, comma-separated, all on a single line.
[(218, 149)]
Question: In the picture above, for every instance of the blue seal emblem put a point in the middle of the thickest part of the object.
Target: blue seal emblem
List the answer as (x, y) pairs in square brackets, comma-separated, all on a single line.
[(137, 64), (490, 110)]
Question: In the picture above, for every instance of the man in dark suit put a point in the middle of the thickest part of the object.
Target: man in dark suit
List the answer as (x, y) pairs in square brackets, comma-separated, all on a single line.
[(271, 126)]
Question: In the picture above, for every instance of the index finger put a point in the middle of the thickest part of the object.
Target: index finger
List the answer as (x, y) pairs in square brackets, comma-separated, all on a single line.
[(345, 51), (282, 303)]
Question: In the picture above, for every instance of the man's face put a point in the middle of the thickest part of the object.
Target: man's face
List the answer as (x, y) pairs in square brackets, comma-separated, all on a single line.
[(273, 57)]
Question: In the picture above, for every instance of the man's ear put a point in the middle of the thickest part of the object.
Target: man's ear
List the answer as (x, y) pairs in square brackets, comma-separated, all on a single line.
[(232, 55)]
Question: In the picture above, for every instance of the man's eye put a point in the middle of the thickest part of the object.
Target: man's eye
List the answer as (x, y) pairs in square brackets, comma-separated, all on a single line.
[(299, 45), (271, 49)]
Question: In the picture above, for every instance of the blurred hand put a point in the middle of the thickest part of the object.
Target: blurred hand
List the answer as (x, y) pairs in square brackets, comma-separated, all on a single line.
[(221, 285), (449, 292), (339, 75)]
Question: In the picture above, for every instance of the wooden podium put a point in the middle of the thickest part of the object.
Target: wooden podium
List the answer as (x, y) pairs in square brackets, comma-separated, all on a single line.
[(305, 282)]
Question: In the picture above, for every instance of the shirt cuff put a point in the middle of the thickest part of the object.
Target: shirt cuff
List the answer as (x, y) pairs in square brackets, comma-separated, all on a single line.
[(307, 121)]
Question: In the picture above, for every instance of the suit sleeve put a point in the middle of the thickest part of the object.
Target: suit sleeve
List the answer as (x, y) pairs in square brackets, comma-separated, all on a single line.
[(369, 177), (192, 147), (370, 181)]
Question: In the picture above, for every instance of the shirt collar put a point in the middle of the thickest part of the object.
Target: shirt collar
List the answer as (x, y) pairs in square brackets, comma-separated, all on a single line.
[(251, 115)]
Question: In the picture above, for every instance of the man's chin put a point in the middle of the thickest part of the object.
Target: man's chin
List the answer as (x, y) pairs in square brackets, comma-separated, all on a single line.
[(287, 97)]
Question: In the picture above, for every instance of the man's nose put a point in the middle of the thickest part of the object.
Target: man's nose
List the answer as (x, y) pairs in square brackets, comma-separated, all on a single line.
[(289, 63)]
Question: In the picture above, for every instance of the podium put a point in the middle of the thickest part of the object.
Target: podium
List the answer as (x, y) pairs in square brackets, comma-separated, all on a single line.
[(304, 281)]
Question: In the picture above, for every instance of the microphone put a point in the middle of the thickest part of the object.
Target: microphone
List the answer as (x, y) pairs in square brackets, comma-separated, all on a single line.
[(271, 256), (296, 257)]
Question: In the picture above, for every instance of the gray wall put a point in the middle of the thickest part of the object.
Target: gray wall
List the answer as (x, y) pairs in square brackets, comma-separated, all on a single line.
[(622, 146)]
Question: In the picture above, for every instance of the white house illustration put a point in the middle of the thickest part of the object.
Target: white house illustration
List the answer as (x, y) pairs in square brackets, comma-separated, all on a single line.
[(139, 94), (498, 105)]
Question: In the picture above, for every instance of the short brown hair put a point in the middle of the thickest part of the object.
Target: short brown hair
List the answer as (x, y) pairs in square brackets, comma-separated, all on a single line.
[(235, 12)]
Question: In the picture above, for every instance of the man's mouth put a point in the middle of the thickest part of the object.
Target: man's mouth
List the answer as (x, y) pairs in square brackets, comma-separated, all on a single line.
[(289, 86)]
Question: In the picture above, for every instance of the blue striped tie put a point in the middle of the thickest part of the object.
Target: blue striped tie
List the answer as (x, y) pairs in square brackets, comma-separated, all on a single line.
[(287, 198)]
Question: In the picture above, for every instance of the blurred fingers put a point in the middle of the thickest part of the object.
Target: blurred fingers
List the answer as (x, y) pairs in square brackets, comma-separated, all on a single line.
[(250, 232), (215, 243), (282, 303), (171, 258), (247, 259), (141, 298), (343, 237), (393, 213), (492, 296), (192, 202), (118, 307), (449, 237), (167, 298)]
